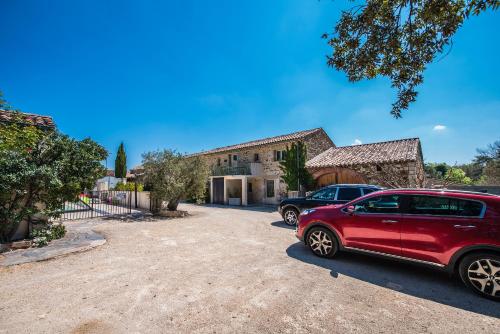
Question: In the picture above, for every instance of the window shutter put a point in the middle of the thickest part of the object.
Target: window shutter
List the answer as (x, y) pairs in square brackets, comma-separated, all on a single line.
[(275, 155)]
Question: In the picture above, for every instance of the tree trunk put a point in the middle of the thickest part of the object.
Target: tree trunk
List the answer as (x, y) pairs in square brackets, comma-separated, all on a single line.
[(172, 205), (155, 206)]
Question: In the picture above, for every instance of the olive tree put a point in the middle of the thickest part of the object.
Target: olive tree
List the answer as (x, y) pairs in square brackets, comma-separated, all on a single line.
[(173, 177), (41, 169)]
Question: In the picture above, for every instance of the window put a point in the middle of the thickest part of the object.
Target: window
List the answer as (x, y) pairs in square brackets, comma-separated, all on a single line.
[(256, 157), (378, 204), (379, 168), (444, 206), (235, 157), (279, 155), (366, 191), (270, 188), (249, 187), (325, 194), (218, 162), (348, 194)]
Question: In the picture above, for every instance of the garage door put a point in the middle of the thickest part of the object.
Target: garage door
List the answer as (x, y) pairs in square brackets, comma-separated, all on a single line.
[(344, 176), (218, 190)]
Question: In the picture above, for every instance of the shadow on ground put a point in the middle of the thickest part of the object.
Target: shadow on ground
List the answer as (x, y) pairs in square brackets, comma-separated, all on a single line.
[(250, 207), (414, 280), (280, 223)]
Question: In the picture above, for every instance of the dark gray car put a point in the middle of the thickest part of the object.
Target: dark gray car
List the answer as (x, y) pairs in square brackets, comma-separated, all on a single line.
[(290, 208)]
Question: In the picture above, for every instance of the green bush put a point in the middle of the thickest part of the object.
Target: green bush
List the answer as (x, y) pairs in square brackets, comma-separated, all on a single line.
[(43, 235), (129, 186)]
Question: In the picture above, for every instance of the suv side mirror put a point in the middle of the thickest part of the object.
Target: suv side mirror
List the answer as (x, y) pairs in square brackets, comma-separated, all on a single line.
[(350, 209)]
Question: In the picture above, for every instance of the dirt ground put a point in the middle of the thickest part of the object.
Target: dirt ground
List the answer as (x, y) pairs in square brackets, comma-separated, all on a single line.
[(228, 270)]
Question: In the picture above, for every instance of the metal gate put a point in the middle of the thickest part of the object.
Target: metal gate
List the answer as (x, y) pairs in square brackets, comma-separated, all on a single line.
[(91, 204)]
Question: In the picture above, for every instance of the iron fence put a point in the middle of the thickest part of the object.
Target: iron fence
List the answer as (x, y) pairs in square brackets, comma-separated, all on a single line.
[(91, 204)]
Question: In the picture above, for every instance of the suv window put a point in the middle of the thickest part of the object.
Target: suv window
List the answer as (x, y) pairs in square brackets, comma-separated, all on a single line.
[(444, 206), (368, 190), (348, 194), (378, 204), (325, 194)]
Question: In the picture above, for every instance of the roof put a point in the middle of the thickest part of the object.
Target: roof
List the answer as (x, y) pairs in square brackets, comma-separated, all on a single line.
[(376, 153), (266, 141), (9, 116)]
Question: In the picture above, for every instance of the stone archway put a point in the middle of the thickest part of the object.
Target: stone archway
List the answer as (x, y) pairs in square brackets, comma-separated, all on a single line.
[(337, 175)]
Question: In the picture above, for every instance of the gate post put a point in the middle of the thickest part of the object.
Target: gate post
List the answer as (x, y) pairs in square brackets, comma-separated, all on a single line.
[(135, 193), (92, 204), (130, 202)]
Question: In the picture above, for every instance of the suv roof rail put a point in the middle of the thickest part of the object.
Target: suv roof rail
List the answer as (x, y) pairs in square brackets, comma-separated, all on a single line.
[(445, 190)]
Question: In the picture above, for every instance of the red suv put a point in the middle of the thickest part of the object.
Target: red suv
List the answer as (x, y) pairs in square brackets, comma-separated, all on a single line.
[(453, 230)]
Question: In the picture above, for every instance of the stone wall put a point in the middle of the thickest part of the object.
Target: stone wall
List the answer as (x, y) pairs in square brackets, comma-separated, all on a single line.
[(394, 175), (317, 143)]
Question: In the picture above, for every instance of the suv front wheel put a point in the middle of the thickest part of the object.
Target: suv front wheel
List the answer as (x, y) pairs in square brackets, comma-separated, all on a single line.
[(322, 242), (481, 273), (291, 216)]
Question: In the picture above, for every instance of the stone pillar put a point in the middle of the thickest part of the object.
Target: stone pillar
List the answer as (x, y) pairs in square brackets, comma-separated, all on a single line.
[(211, 190), (225, 192), (244, 191)]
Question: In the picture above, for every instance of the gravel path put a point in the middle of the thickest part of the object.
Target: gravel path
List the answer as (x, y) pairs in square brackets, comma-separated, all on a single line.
[(226, 270)]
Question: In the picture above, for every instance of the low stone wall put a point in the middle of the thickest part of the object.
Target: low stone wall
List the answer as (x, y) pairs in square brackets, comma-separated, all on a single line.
[(143, 199)]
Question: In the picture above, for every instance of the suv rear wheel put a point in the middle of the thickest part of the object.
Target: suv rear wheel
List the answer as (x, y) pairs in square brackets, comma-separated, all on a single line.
[(322, 242), (291, 216), (481, 273)]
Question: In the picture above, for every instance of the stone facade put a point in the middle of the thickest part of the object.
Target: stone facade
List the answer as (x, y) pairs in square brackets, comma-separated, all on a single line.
[(315, 144), (393, 164), (255, 166)]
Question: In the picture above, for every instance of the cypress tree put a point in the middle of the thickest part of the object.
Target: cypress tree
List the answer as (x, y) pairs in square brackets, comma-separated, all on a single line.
[(121, 162), (293, 167)]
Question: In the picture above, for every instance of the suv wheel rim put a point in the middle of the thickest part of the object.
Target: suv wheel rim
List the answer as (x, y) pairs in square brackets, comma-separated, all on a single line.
[(484, 274), (290, 217), (320, 243)]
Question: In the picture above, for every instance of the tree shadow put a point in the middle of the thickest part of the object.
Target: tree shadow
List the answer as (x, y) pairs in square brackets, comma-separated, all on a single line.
[(250, 207), (281, 223), (414, 280)]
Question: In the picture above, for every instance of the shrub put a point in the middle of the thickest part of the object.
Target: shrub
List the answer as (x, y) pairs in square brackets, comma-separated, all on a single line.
[(43, 235), (129, 186)]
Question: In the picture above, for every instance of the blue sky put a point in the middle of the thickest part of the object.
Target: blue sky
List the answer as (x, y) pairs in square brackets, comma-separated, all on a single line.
[(193, 75)]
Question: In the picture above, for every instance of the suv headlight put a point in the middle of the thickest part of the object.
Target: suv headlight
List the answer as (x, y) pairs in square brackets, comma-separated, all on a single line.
[(308, 211)]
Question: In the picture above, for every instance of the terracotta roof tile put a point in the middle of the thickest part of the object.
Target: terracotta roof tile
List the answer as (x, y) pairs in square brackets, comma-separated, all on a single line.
[(271, 140), (8, 116), (382, 152)]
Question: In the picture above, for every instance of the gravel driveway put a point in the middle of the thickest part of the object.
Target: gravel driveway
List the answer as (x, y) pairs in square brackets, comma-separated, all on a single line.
[(230, 270)]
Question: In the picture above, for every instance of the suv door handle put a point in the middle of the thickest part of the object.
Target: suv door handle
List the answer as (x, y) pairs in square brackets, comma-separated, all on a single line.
[(464, 226), (388, 221)]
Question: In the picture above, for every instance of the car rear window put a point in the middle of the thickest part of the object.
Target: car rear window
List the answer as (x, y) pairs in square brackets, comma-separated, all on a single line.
[(325, 194), (444, 206), (348, 194)]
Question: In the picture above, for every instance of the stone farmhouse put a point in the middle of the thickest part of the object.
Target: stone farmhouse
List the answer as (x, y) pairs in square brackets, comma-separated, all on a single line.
[(249, 173)]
